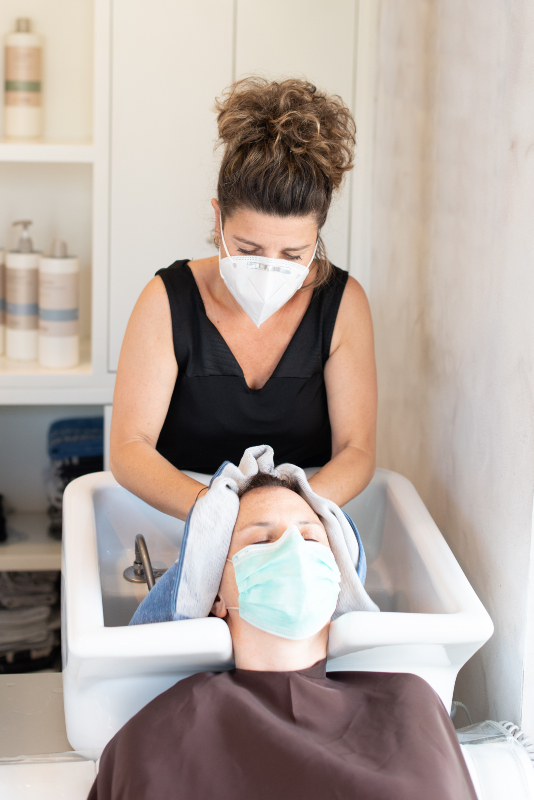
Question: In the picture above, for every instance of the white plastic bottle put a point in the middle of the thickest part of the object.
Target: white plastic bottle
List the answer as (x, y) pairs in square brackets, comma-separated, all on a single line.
[(22, 278), (2, 302), (59, 341), (23, 112)]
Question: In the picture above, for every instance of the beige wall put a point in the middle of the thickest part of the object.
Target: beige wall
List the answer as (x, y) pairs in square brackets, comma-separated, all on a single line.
[(452, 294)]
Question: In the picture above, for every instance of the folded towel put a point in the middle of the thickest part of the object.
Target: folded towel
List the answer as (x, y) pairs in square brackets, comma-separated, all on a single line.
[(188, 589), (22, 589), (25, 628)]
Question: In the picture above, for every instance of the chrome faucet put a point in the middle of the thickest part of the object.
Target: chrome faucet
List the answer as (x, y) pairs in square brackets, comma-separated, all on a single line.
[(142, 571)]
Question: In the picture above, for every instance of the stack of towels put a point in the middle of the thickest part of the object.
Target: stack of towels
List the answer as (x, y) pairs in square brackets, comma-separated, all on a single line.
[(29, 621)]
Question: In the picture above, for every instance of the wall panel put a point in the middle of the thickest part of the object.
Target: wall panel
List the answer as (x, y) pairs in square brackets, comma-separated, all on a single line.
[(167, 68)]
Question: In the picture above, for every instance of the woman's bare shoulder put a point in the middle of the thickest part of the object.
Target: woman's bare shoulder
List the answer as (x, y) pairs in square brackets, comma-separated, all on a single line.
[(354, 294), (150, 321), (153, 300), (354, 315), (147, 347)]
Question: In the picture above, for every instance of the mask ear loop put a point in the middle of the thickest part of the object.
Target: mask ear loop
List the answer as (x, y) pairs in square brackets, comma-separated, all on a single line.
[(314, 252), (225, 247), (231, 608)]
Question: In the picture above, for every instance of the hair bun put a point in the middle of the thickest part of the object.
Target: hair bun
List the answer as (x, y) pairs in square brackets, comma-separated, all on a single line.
[(291, 118)]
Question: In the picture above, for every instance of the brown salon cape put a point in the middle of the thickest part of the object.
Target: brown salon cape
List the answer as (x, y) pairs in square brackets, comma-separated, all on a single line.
[(304, 735)]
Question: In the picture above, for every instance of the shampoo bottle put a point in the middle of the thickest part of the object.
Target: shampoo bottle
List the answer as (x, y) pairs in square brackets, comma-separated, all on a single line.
[(58, 308), (22, 99), (22, 271), (2, 302)]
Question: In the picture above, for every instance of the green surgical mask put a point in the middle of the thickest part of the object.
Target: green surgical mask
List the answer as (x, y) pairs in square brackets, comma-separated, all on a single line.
[(289, 587)]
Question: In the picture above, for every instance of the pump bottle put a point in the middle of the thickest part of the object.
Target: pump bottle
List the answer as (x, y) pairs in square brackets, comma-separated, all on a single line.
[(22, 270), (58, 308)]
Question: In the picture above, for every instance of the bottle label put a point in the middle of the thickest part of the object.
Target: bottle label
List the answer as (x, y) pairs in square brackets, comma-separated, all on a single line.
[(21, 299), (58, 304), (23, 76)]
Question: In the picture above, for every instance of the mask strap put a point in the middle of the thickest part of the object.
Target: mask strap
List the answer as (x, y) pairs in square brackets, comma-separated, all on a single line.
[(314, 252), (224, 243), (232, 608)]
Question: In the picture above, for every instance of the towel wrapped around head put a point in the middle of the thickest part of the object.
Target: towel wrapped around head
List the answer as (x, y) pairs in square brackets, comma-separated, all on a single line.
[(189, 588)]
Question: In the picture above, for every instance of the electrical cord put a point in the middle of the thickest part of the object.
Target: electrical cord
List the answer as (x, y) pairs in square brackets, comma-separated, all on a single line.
[(521, 737), (511, 729), (456, 705)]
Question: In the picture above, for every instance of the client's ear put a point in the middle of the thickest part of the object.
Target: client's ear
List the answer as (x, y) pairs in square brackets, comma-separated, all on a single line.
[(219, 607)]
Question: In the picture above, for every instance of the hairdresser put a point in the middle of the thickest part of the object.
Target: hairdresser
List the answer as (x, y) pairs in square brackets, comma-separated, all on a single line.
[(266, 342)]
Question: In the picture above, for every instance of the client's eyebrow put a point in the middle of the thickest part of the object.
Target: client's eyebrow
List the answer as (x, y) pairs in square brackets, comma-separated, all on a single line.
[(269, 524)]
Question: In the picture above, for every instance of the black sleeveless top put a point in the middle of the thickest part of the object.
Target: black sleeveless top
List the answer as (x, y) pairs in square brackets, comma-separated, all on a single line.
[(213, 416)]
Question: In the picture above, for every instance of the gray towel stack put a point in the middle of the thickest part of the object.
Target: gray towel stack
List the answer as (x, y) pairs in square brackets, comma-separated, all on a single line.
[(29, 621)]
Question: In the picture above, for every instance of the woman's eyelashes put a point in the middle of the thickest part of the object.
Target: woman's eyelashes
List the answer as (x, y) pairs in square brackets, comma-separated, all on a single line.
[(286, 256), (267, 539)]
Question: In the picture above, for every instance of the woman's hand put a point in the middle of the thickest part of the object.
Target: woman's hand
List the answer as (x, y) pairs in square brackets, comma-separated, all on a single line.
[(145, 382), (350, 377)]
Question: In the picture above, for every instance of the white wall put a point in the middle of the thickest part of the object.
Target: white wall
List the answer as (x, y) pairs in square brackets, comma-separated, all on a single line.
[(452, 294)]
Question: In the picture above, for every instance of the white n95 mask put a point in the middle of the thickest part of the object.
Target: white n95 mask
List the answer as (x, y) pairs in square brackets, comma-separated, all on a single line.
[(261, 285), (289, 587)]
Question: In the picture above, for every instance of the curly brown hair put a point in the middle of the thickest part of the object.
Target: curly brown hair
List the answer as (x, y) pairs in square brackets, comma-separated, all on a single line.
[(287, 147)]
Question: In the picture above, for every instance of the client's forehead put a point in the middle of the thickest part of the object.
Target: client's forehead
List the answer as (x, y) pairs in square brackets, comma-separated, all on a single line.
[(269, 503)]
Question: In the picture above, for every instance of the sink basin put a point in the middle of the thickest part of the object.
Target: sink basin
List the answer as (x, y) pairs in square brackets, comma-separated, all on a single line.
[(431, 622)]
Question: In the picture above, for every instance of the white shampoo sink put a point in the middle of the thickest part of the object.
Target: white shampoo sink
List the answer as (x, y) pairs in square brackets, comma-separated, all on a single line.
[(431, 622)]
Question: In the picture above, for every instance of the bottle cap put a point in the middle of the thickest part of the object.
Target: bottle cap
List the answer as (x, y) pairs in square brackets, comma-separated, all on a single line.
[(59, 249), (23, 25), (25, 243)]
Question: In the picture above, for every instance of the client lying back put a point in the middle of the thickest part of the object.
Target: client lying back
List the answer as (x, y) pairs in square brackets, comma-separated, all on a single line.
[(277, 563)]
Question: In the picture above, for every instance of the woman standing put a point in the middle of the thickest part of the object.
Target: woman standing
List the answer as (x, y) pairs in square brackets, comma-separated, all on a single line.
[(267, 342)]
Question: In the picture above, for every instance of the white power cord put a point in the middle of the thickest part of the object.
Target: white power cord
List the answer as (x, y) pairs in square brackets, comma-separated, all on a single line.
[(456, 705), (488, 730), (521, 737)]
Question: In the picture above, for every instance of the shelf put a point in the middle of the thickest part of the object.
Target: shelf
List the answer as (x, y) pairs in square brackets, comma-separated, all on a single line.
[(10, 367), (29, 547), (27, 383), (47, 152)]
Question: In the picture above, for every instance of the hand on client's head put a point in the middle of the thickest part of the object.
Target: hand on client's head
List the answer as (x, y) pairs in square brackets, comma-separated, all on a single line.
[(265, 515)]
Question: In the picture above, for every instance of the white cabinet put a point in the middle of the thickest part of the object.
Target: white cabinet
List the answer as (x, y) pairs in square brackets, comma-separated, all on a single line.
[(169, 61), (61, 183)]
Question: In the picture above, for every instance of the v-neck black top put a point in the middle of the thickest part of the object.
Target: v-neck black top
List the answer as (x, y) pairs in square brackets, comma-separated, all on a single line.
[(214, 416)]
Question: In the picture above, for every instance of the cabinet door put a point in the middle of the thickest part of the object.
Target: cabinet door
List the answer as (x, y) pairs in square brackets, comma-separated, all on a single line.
[(312, 39), (170, 59)]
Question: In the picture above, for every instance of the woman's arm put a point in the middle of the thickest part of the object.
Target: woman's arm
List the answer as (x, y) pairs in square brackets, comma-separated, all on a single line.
[(350, 377), (145, 382)]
